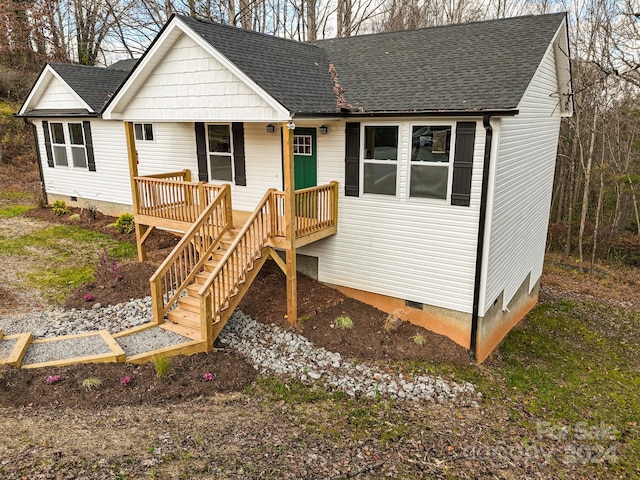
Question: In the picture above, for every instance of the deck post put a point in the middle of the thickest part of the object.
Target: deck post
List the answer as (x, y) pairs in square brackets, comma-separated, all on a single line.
[(290, 224), (132, 155)]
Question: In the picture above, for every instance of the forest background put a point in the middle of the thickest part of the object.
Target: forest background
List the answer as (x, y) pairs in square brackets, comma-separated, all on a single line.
[(595, 211)]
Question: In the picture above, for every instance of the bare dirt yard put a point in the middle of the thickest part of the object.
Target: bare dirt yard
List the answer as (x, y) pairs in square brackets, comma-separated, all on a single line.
[(560, 395)]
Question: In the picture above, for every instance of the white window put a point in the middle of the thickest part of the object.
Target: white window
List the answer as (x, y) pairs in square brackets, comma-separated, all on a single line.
[(144, 131), (380, 159), (430, 161), (220, 152), (302, 145), (77, 144), (59, 145)]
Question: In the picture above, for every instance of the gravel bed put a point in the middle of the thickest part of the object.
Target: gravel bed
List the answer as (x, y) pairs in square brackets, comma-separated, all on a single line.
[(154, 337), (272, 349), (113, 318), (65, 348), (6, 347)]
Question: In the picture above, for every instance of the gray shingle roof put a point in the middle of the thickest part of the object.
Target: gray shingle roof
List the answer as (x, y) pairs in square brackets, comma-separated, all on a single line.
[(474, 66), (95, 85), (465, 67)]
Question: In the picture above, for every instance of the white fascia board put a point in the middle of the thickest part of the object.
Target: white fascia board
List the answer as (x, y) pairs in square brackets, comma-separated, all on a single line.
[(561, 46), (233, 68), (143, 69), (43, 82), (553, 45)]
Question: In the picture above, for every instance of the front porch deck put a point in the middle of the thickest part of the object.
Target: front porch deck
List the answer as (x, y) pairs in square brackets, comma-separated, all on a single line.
[(201, 282)]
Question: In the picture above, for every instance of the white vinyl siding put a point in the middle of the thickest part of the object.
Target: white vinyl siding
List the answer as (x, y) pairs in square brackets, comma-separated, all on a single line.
[(419, 251), (190, 85), (56, 96), (109, 183), (523, 187)]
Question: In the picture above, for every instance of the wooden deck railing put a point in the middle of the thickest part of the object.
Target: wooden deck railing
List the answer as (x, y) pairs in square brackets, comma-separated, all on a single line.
[(166, 196), (188, 257), (316, 209), (230, 272)]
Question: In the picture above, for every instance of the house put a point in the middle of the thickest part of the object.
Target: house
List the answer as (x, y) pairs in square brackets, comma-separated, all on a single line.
[(442, 142)]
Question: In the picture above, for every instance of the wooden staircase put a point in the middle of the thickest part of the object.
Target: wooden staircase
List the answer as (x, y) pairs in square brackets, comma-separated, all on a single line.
[(187, 312), (206, 275)]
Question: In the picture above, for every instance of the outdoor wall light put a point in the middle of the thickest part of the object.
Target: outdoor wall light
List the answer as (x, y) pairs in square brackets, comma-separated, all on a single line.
[(291, 125), (271, 128), (323, 129)]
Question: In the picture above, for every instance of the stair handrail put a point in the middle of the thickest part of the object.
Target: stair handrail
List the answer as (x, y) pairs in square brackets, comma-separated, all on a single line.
[(188, 257), (208, 313)]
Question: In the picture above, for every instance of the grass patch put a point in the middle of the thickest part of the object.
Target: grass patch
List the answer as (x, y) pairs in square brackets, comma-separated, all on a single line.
[(66, 256), (567, 364), (16, 196), (11, 211), (57, 283)]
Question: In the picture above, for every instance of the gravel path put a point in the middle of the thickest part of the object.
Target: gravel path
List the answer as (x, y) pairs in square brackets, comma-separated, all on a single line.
[(63, 349), (270, 348), (157, 337), (6, 347)]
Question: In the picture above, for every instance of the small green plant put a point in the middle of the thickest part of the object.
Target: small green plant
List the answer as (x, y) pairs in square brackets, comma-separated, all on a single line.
[(419, 340), (125, 223), (304, 319), (74, 217), (60, 208), (91, 383), (343, 322), (162, 364)]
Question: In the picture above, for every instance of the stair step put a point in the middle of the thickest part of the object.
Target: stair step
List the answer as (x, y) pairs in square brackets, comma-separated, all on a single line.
[(210, 265), (184, 317), (189, 303)]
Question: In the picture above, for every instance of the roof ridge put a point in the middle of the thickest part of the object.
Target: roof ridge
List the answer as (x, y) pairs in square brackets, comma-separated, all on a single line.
[(436, 27), (243, 31)]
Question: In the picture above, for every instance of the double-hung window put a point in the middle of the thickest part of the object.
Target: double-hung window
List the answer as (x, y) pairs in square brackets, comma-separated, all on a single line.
[(77, 143), (430, 161), (75, 148), (220, 152), (380, 160), (59, 145)]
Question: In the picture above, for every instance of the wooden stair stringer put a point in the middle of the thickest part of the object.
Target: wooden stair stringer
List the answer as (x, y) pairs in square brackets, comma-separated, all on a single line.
[(235, 300)]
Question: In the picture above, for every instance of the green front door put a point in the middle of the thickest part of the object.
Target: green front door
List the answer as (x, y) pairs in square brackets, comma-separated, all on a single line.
[(304, 158)]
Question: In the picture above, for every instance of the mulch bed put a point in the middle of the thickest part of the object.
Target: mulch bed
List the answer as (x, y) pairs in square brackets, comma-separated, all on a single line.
[(318, 304), (28, 387)]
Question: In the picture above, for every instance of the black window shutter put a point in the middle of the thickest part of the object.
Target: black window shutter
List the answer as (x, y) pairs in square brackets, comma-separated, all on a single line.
[(201, 150), (88, 143), (352, 160), (47, 143), (463, 163), (237, 131)]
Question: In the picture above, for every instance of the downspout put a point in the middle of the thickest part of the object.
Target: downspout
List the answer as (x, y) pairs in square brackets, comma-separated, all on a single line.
[(473, 343), (39, 159)]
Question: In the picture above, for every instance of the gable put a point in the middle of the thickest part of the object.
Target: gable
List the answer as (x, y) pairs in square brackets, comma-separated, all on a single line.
[(190, 84), (50, 93)]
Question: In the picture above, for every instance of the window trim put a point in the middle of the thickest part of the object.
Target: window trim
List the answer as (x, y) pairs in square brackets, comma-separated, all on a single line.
[(230, 154), (68, 146), (363, 160), (78, 146), (144, 133), (449, 164)]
